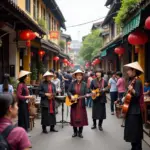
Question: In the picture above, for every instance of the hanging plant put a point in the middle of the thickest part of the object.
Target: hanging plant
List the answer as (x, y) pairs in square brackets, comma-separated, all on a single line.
[(126, 7)]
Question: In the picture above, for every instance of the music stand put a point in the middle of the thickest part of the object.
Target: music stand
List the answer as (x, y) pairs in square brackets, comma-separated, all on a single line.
[(62, 100)]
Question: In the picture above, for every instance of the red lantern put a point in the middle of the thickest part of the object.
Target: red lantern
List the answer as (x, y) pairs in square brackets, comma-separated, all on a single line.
[(28, 43), (56, 58), (27, 35), (41, 53), (137, 38), (147, 23), (119, 51), (65, 60), (68, 43)]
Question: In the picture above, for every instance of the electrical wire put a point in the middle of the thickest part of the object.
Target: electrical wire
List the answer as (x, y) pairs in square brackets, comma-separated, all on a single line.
[(81, 24)]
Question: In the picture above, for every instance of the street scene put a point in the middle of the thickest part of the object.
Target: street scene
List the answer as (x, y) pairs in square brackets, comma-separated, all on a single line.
[(74, 74)]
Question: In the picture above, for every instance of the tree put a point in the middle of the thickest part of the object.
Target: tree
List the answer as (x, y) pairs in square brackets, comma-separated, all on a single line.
[(91, 45)]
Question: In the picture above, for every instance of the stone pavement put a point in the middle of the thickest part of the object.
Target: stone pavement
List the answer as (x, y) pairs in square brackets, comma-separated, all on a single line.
[(110, 139)]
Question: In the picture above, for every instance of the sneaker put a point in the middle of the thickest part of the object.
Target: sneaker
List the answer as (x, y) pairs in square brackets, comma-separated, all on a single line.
[(112, 113)]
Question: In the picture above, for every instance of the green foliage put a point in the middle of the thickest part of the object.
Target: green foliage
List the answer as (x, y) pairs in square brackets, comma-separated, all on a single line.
[(62, 44), (42, 23), (34, 71), (91, 45), (41, 68), (126, 6)]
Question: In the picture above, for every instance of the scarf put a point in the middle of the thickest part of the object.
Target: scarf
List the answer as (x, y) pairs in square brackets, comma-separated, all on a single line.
[(51, 100), (79, 104)]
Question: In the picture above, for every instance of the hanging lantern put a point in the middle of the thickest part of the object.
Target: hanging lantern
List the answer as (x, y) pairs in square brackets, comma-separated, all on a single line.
[(147, 23), (41, 53), (28, 43), (137, 38), (68, 43), (97, 61), (119, 51), (56, 58), (27, 35), (65, 60)]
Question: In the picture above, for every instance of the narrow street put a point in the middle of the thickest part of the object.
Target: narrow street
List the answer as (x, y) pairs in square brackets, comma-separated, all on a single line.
[(110, 138)]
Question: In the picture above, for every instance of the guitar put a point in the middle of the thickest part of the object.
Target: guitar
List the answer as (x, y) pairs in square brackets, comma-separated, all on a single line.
[(97, 92), (70, 102), (127, 99)]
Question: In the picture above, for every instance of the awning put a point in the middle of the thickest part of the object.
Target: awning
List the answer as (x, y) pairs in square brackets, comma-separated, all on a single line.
[(49, 46), (109, 47), (132, 24)]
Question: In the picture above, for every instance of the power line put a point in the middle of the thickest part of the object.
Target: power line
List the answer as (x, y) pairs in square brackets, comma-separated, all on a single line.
[(81, 24)]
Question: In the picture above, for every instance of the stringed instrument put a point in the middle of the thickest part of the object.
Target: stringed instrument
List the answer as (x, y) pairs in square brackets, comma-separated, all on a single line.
[(128, 98), (70, 102), (97, 92)]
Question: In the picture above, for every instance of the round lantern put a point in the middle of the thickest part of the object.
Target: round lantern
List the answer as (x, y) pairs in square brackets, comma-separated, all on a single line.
[(28, 43), (119, 51), (68, 43), (27, 35), (65, 60), (147, 23), (41, 53), (137, 38), (56, 58)]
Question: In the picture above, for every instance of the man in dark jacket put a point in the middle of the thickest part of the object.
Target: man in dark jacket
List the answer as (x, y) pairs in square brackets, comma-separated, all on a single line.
[(47, 93)]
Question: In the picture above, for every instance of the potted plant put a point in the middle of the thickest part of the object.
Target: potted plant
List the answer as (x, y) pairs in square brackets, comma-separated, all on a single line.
[(34, 74)]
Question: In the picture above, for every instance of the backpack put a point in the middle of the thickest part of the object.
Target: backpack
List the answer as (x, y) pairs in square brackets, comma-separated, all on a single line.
[(3, 141)]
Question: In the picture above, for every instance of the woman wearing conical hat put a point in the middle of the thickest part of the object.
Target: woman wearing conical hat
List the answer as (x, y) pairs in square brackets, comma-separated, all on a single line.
[(78, 110), (23, 96), (47, 92), (133, 132)]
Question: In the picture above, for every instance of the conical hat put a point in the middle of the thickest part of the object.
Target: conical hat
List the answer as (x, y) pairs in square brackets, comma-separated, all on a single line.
[(77, 71), (47, 73), (23, 73), (135, 65)]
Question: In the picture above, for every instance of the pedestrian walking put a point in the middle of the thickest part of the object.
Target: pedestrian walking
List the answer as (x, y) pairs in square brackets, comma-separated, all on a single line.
[(112, 83), (47, 92), (133, 132), (6, 87), (99, 104), (24, 97), (120, 86), (78, 110), (16, 137)]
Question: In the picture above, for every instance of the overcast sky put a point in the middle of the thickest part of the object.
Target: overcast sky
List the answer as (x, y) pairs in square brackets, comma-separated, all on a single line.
[(80, 11)]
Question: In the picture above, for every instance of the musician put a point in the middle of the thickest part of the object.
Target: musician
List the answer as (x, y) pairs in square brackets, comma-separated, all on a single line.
[(99, 108), (133, 132), (47, 93), (78, 110)]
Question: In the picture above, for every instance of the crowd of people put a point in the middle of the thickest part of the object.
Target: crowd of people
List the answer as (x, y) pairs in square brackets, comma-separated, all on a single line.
[(81, 88)]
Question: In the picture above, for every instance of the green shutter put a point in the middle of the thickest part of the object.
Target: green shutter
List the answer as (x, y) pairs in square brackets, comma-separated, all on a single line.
[(132, 24)]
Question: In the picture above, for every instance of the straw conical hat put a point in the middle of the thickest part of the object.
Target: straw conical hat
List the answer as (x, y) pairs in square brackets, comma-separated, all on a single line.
[(136, 66), (23, 73), (47, 73), (77, 71)]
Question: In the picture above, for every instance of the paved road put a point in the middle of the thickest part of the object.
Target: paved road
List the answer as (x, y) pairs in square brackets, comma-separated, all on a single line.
[(110, 139)]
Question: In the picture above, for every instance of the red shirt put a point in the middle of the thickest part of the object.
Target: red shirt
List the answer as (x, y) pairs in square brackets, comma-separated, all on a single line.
[(17, 138)]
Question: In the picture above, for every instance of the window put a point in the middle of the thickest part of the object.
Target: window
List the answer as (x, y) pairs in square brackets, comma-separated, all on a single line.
[(28, 5), (35, 9), (112, 27), (49, 22)]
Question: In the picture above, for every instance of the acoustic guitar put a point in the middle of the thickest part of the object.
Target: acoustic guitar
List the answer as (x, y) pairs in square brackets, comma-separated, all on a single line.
[(70, 102), (97, 92), (127, 99)]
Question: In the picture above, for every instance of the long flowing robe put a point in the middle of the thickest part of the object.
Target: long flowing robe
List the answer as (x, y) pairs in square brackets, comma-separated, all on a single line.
[(78, 111), (99, 108), (133, 122), (47, 106)]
